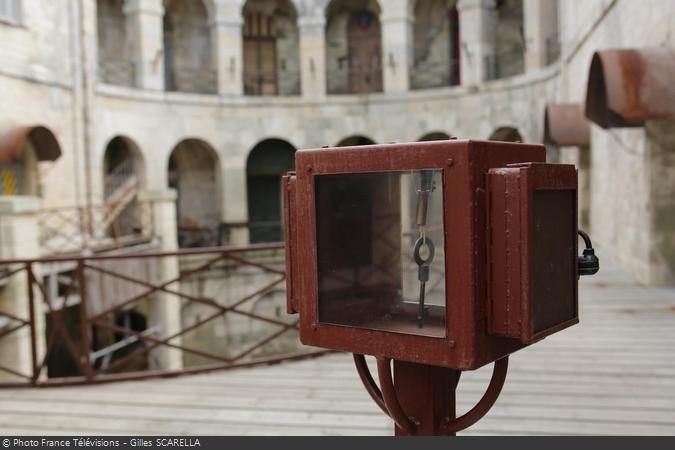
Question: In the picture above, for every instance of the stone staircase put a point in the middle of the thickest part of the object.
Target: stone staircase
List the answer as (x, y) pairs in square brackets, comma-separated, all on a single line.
[(120, 190)]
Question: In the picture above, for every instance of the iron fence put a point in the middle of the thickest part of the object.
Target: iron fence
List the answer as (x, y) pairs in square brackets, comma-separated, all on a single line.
[(90, 319), (277, 81), (198, 80), (73, 229)]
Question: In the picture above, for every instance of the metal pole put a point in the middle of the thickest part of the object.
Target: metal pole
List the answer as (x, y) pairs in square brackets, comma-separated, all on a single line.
[(427, 395), (85, 335), (32, 322)]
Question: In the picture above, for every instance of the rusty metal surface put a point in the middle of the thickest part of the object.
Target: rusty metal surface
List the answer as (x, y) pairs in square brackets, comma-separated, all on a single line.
[(13, 142), (628, 86), (76, 338), (486, 402), (533, 284), (566, 125), (421, 399), (464, 164)]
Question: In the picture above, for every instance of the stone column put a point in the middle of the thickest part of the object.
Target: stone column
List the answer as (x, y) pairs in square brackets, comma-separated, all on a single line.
[(312, 56), (146, 30), (227, 31), (541, 31), (660, 203), (235, 206), (166, 311), (477, 20), (396, 45), (19, 239)]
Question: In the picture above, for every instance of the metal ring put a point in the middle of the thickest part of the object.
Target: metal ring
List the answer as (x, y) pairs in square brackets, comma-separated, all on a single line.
[(416, 251)]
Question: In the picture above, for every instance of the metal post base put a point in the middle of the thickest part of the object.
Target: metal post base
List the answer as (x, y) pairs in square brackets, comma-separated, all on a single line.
[(422, 400)]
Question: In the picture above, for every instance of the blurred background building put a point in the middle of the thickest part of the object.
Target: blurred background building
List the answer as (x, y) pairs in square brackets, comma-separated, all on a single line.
[(212, 97), (128, 124)]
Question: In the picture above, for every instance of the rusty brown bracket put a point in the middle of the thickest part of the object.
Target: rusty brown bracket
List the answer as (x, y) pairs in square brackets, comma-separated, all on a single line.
[(485, 403), (387, 400)]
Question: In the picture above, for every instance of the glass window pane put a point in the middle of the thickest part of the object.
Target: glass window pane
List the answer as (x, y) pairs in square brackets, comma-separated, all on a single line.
[(370, 228)]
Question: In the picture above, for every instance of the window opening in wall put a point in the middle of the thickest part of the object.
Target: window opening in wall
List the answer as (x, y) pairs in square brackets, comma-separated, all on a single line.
[(436, 49), (506, 134), (123, 168), (188, 49), (353, 47), (365, 68), (271, 48), (260, 55), (267, 162), (21, 177), (194, 174), (115, 65), (509, 44), (354, 141)]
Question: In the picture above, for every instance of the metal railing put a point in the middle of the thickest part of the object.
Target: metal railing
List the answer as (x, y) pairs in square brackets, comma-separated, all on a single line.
[(109, 317), (118, 177), (271, 82), (72, 229), (505, 64), (426, 75), (356, 79), (199, 80)]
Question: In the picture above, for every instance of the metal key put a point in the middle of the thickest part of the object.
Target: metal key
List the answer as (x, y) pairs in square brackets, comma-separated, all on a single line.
[(422, 273)]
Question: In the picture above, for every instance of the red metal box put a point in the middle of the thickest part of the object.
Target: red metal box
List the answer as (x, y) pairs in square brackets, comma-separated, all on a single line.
[(389, 250)]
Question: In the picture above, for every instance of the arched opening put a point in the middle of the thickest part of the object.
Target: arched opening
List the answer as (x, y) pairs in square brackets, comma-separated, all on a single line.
[(21, 176), (271, 48), (267, 162), (189, 64), (353, 47), (22, 150), (436, 44), (434, 136), (123, 178), (115, 62), (506, 134), (194, 174), (509, 44), (353, 141)]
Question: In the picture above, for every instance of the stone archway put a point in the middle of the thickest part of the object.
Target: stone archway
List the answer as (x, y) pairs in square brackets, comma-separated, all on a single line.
[(267, 162), (194, 174)]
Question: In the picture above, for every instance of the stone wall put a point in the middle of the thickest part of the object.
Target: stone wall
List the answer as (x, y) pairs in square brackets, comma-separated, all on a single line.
[(42, 73)]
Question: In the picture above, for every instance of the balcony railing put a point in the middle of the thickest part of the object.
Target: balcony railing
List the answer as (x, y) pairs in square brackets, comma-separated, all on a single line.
[(199, 80), (358, 79), (272, 82), (73, 229), (433, 75), (136, 316)]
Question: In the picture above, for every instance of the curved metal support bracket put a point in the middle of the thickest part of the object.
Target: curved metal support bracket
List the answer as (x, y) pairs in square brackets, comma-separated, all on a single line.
[(485, 403), (369, 382), (388, 402)]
